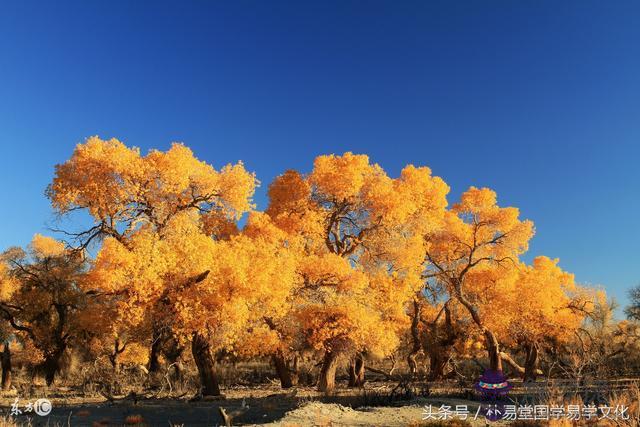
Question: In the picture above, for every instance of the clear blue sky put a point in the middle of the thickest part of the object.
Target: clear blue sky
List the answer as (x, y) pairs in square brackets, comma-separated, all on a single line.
[(539, 100)]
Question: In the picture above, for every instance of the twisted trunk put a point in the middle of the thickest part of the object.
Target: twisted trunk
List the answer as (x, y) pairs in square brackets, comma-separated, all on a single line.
[(178, 371), (201, 351), (441, 339), (51, 364), (6, 367), (172, 351), (438, 362), (114, 357), (531, 363), (287, 378), (506, 358), (283, 370), (327, 378), (356, 371), (493, 347), (415, 339), (154, 352)]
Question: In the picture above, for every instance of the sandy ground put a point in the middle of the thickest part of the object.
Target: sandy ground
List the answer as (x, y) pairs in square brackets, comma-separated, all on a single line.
[(265, 404), (171, 413), (331, 414), (279, 409)]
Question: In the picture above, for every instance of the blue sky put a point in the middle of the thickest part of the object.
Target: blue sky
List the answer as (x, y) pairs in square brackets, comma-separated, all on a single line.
[(539, 100)]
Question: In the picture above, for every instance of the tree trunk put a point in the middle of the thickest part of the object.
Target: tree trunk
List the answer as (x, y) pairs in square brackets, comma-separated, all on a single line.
[(506, 358), (295, 370), (6, 367), (114, 357), (413, 363), (440, 342), (531, 363), (154, 352), (204, 362), (115, 362), (438, 362), (415, 338), (283, 371), (172, 351), (327, 379), (493, 348), (178, 371), (51, 366), (356, 371)]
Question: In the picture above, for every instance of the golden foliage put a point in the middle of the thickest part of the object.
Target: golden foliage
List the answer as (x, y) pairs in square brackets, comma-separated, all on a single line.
[(355, 235), (117, 184), (332, 264), (44, 246), (41, 296)]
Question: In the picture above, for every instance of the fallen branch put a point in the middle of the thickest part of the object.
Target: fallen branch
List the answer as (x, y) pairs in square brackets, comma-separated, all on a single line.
[(387, 375), (509, 361), (228, 417)]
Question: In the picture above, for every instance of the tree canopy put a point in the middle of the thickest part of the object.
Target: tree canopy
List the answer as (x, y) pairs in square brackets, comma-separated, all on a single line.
[(344, 262)]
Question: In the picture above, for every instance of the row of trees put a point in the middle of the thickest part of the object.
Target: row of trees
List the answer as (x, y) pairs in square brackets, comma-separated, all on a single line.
[(345, 262)]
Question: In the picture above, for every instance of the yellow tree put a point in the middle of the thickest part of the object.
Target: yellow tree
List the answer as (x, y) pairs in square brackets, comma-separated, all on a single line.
[(111, 336), (547, 306), (248, 282), (528, 307), (347, 219), (42, 298), (270, 331), (8, 286), (5, 357), (149, 210), (439, 330), (479, 238)]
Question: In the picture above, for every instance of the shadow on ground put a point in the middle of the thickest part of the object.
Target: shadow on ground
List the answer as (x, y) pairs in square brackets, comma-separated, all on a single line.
[(170, 412)]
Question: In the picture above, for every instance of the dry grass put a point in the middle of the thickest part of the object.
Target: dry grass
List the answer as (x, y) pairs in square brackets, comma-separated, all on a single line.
[(7, 422), (254, 381), (631, 400), (556, 396)]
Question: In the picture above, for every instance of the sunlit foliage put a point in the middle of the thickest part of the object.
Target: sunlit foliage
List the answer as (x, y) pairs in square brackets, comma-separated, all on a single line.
[(345, 263)]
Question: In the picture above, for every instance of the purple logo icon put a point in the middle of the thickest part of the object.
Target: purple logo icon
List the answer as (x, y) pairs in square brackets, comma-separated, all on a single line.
[(493, 386)]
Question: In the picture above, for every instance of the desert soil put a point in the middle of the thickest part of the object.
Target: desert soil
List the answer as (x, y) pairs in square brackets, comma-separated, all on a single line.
[(248, 406)]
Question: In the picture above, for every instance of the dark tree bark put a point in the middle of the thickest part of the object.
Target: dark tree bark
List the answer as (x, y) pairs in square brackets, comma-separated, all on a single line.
[(154, 352), (440, 341), (51, 365), (201, 351), (356, 371), (6, 367), (531, 363), (415, 339), (288, 376), (178, 371), (506, 358), (437, 365), (114, 357), (283, 370), (172, 351), (493, 348), (327, 378)]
